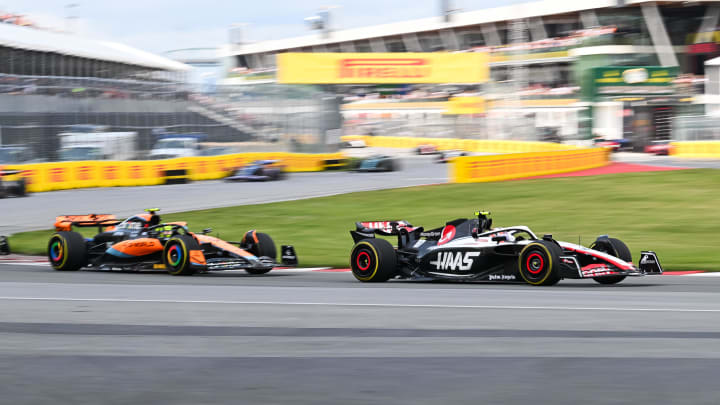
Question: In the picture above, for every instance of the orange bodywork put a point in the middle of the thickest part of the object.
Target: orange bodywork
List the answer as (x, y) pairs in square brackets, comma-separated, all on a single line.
[(64, 222), (197, 257), (139, 247), (221, 244)]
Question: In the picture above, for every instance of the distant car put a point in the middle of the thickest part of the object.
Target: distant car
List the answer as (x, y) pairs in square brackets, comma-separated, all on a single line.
[(12, 184), (427, 149), (659, 147), (448, 155), (378, 163), (259, 170), (354, 143), (614, 144), (16, 154)]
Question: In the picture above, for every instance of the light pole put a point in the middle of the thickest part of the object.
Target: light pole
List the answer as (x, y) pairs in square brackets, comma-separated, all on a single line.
[(69, 18)]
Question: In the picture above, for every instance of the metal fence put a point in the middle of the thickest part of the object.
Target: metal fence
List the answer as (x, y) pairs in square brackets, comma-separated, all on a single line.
[(40, 114), (696, 128)]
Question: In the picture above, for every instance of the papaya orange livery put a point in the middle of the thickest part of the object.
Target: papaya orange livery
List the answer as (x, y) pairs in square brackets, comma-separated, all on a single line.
[(143, 241)]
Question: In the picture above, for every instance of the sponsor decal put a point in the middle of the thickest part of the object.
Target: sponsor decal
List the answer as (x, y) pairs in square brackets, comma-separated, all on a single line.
[(448, 233), (135, 172), (502, 277), (57, 174), (83, 173), (455, 261), (431, 235), (383, 68), (110, 172), (633, 76), (647, 259)]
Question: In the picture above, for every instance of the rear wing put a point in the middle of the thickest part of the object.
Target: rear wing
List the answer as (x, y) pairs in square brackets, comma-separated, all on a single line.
[(365, 230), (66, 222)]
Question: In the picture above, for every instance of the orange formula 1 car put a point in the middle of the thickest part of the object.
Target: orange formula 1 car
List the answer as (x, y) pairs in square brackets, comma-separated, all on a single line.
[(142, 242)]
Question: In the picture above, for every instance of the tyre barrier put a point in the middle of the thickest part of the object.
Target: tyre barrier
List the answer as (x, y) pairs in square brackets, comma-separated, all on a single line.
[(108, 173), (473, 169), (176, 176), (696, 149), (335, 164), (4, 246)]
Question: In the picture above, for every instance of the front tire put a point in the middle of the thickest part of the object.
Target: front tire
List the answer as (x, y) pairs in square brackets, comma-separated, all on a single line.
[(176, 255), (539, 263), (613, 247), (67, 251), (264, 246), (373, 260)]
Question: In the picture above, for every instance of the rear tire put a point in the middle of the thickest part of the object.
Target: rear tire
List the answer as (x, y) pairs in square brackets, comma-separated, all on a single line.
[(67, 251), (373, 260), (613, 247), (176, 255), (264, 246), (539, 263)]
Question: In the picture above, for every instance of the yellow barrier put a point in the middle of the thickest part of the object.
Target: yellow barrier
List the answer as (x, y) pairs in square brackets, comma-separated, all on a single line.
[(471, 169), (68, 175), (696, 149), (470, 145)]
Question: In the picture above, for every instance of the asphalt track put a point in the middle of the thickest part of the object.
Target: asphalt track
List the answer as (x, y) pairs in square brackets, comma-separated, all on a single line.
[(310, 337), (40, 209)]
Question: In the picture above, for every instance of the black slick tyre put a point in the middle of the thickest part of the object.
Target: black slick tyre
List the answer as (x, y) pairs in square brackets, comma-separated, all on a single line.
[(67, 251), (373, 260), (539, 263), (613, 247), (264, 246), (176, 255)]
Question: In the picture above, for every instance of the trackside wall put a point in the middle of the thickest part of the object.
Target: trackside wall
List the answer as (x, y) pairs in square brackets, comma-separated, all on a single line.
[(469, 145), (471, 169), (69, 175), (696, 149)]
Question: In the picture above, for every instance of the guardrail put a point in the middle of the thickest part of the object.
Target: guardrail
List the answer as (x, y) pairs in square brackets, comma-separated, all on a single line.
[(472, 169), (469, 145), (696, 149), (83, 174)]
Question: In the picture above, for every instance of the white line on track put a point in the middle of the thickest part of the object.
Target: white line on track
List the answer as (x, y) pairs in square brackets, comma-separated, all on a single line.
[(381, 305)]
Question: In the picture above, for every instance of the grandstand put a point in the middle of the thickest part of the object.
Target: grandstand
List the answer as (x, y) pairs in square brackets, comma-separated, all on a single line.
[(554, 48), (52, 80)]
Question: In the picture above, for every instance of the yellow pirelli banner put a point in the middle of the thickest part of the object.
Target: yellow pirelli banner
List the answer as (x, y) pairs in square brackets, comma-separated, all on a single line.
[(109, 173), (696, 149), (379, 68), (472, 169)]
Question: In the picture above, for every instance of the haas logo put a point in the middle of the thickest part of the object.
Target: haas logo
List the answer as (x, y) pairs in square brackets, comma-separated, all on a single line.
[(455, 260), (448, 233)]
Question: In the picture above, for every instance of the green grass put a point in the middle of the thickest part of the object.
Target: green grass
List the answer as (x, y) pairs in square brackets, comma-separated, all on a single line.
[(674, 213)]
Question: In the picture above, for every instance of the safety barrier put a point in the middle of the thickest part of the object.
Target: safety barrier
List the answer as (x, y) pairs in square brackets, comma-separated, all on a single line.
[(471, 169), (696, 149), (101, 173), (469, 145)]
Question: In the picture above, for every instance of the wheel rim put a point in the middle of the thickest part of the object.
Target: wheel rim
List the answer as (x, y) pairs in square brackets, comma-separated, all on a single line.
[(174, 255), (363, 263), (57, 251), (535, 263)]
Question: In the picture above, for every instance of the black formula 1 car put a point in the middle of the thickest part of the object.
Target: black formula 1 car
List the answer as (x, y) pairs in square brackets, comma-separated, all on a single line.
[(447, 156), (259, 170), (11, 184), (142, 242), (470, 250)]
